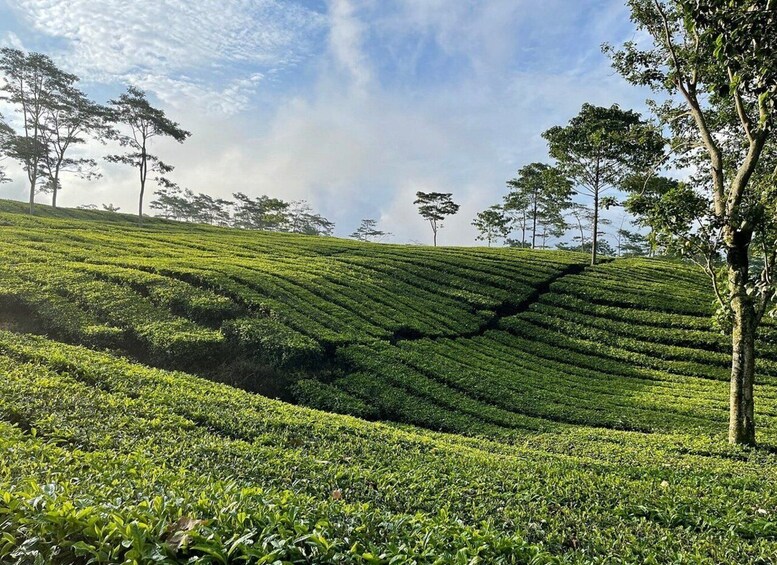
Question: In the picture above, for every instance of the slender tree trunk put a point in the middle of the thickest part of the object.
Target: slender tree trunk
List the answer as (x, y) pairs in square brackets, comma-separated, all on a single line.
[(523, 227), (534, 225), (56, 188), (595, 236), (741, 418), (32, 196), (143, 173)]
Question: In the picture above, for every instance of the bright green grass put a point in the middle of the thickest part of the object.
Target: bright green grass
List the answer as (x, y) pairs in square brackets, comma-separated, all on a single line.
[(107, 457)]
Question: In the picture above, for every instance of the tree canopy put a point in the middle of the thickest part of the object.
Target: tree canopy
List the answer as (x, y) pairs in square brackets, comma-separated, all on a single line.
[(434, 207), (599, 148)]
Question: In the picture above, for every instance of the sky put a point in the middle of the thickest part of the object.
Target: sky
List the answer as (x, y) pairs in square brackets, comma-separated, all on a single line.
[(352, 105)]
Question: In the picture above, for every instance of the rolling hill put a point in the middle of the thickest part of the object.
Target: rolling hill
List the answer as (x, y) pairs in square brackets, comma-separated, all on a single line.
[(513, 406)]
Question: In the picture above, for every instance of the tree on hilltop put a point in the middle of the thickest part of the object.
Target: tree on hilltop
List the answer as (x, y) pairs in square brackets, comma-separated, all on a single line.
[(492, 224), (599, 149), (133, 110), (434, 207), (69, 120), (31, 85), (368, 231), (715, 62), (540, 193)]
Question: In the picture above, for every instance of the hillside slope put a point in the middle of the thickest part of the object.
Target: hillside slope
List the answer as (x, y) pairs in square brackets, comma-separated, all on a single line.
[(463, 340), (559, 370)]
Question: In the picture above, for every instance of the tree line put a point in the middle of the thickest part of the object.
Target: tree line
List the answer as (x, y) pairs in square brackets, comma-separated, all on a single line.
[(599, 150)]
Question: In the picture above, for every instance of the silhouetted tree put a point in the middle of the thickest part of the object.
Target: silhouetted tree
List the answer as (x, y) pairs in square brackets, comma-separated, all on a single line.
[(133, 110), (368, 231), (434, 207)]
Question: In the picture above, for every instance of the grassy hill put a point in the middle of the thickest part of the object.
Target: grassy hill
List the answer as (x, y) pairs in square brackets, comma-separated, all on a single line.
[(588, 405)]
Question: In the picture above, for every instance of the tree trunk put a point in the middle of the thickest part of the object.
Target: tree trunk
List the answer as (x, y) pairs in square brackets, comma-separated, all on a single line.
[(534, 225), (143, 173), (595, 235), (56, 186), (32, 195), (741, 428)]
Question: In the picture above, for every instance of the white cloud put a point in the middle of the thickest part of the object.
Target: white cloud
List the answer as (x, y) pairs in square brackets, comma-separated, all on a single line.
[(175, 48)]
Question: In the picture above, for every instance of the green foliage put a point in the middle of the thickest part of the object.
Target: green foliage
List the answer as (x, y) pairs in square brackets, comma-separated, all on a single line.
[(434, 207), (492, 224)]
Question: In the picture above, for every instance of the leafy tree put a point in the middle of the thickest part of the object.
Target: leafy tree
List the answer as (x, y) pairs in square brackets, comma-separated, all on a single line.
[(715, 63), (174, 203), (492, 224), (302, 219), (368, 231), (434, 207), (133, 110), (645, 202), (33, 86), (543, 193), (68, 120), (631, 243), (111, 208), (261, 213), (599, 148)]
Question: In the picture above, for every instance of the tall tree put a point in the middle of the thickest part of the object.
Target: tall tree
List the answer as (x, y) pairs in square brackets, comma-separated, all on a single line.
[(33, 86), (368, 231), (133, 110), (434, 207), (715, 61), (545, 193), (492, 224), (516, 207), (599, 148), (69, 119)]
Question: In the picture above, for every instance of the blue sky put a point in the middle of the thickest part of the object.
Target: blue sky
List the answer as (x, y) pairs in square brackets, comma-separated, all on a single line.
[(353, 105)]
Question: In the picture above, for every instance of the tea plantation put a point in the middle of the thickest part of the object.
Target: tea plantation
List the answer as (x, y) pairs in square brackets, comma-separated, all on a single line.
[(514, 406)]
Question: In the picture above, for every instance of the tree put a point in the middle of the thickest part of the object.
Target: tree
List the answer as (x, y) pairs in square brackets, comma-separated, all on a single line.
[(261, 213), (368, 231), (434, 207), (516, 207), (145, 123), (302, 219), (492, 224), (599, 148), (33, 85), (68, 119), (542, 192), (645, 201), (715, 61)]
